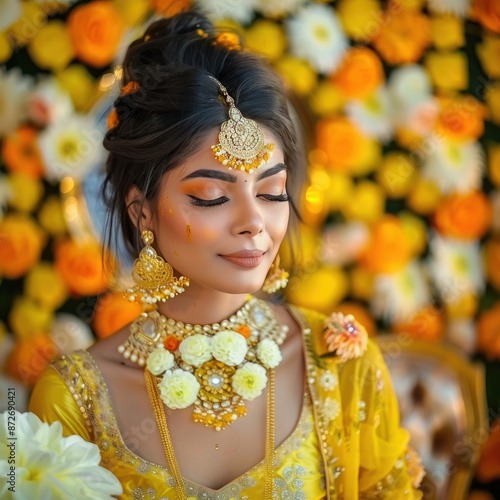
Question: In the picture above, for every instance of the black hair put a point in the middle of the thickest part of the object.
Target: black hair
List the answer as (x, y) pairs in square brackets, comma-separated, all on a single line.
[(163, 122)]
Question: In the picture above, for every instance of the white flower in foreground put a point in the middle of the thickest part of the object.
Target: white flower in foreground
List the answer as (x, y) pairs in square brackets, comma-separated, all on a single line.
[(14, 91), (456, 267), (229, 347), (398, 296), (457, 7), (278, 8), (50, 466), (195, 349), (249, 380), (178, 389), (373, 115), (453, 166), (237, 10), (71, 147), (269, 353), (315, 34), (159, 361)]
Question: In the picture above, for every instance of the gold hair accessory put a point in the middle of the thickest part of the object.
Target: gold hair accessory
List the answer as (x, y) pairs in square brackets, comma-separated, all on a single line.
[(241, 141), (154, 278), (276, 277)]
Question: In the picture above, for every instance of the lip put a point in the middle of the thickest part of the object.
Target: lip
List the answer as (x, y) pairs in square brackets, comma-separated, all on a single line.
[(245, 258)]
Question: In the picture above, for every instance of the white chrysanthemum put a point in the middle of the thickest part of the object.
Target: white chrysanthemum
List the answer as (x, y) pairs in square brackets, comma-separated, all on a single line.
[(398, 296), (456, 267), (315, 34), (48, 465), (249, 380), (70, 333), (462, 333), (195, 350), (331, 409), (159, 361), (241, 11), (269, 353), (453, 166), (229, 347), (178, 389), (457, 7), (373, 115), (328, 380), (71, 147), (278, 8), (10, 12), (49, 102), (14, 91)]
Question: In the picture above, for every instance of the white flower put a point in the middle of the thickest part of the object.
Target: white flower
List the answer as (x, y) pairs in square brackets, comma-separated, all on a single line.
[(48, 465), (160, 360), (49, 102), (178, 389), (269, 353), (328, 380), (249, 380), (70, 333), (456, 267), (195, 350), (453, 166), (71, 147), (229, 347), (457, 7), (315, 34), (278, 8), (14, 91), (342, 243), (237, 10), (398, 296), (331, 409), (462, 333), (10, 12), (373, 115)]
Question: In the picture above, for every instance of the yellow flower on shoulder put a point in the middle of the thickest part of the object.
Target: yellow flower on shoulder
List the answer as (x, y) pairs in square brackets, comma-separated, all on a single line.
[(359, 18), (345, 337), (266, 38), (493, 103), (448, 71), (298, 73), (488, 52), (447, 32), (26, 191), (46, 286)]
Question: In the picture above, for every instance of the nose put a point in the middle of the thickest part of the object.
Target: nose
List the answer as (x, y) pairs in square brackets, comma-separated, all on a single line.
[(248, 218)]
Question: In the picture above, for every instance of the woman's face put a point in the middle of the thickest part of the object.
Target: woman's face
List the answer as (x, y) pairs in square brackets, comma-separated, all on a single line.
[(222, 228)]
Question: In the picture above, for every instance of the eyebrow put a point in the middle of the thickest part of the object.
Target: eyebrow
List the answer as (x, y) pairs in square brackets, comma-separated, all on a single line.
[(225, 176)]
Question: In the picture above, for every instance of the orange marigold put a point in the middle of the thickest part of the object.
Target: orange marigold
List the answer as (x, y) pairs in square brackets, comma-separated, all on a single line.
[(171, 343), (360, 74), (244, 330), (20, 152), (170, 7), (427, 324), (488, 332), (487, 12), (95, 29), (113, 120), (404, 37), (492, 260), (461, 118), (488, 467), (466, 216)]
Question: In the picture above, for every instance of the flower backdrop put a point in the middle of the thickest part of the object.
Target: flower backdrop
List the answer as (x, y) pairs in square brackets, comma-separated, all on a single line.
[(402, 200)]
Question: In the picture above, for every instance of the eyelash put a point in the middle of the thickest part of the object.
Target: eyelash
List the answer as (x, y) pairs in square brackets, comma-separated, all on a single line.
[(223, 199)]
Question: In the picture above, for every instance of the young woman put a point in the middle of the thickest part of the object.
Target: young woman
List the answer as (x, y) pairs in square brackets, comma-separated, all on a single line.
[(213, 393)]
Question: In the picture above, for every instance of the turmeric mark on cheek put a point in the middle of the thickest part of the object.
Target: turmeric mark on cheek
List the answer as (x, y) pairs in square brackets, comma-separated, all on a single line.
[(175, 253), (189, 236)]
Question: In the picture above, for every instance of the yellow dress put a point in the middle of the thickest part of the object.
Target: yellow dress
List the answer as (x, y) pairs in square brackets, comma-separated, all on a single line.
[(347, 444)]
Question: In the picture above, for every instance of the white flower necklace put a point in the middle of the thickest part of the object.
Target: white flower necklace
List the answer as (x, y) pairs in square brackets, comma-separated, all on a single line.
[(217, 367)]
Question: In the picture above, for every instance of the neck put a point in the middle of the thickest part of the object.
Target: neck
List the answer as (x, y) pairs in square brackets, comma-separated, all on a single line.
[(202, 306)]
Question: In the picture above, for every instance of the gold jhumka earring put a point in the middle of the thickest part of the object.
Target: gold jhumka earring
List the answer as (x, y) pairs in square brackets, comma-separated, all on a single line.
[(276, 277)]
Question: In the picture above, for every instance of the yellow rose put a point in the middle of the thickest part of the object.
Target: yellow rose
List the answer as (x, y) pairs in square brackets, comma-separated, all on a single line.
[(26, 190), (132, 12), (494, 163), (27, 317), (488, 52), (51, 47), (447, 32), (448, 71), (266, 38), (51, 216), (424, 197), (80, 85), (361, 283), (415, 230), (298, 74), (493, 103), (5, 47), (45, 285), (360, 18), (370, 156), (367, 203), (396, 174), (326, 99)]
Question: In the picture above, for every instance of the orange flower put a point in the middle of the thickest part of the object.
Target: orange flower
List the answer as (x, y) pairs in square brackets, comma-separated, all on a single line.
[(345, 336), (388, 249), (466, 216), (229, 40), (170, 7), (487, 12), (492, 258), (360, 73), (21, 243), (80, 267), (404, 38), (112, 312), (427, 324), (361, 313), (113, 120), (95, 29), (171, 343), (244, 330), (488, 332), (461, 118), (20, 152), (341, 141), (130, 87), (488, 467)]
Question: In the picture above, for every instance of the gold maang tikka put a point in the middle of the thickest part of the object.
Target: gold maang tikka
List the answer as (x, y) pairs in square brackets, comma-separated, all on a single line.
[(241, 141)]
